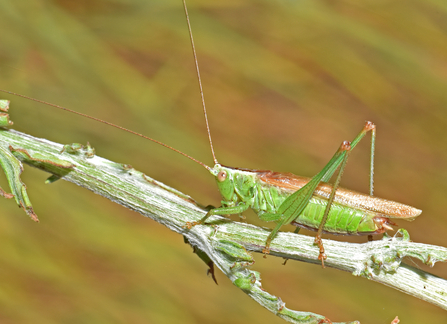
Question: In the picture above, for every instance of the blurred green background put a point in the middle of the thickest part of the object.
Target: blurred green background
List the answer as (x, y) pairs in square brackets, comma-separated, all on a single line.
[(285, 83)]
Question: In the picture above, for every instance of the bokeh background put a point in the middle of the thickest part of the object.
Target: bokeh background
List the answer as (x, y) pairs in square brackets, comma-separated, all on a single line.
[(285, 83)]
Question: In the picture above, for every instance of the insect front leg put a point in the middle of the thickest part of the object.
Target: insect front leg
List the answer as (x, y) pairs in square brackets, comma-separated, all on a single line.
[(240, 208)]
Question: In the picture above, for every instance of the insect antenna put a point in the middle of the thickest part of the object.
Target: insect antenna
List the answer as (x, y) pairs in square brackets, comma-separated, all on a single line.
[(139, 134), (200, 81), (109, 124)]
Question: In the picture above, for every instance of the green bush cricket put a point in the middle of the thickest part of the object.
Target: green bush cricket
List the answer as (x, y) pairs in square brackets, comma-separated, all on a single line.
[(311, 203), (288, 199)]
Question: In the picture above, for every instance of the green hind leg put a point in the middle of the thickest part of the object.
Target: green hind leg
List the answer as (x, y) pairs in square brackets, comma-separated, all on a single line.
[(345, 147), (322, 255), (368, 127), (295, 204)]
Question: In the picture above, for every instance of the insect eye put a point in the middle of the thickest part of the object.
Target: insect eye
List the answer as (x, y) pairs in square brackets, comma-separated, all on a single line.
[(222, 175)]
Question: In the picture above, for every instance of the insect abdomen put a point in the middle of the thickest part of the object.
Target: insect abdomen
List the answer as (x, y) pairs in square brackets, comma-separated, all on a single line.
[(341, 219)]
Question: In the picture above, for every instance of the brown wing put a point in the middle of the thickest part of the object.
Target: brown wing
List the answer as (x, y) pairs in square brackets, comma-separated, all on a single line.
[(388, 208)]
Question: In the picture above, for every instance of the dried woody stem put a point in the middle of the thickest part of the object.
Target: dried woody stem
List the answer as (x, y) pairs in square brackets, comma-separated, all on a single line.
[(225, 242)]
